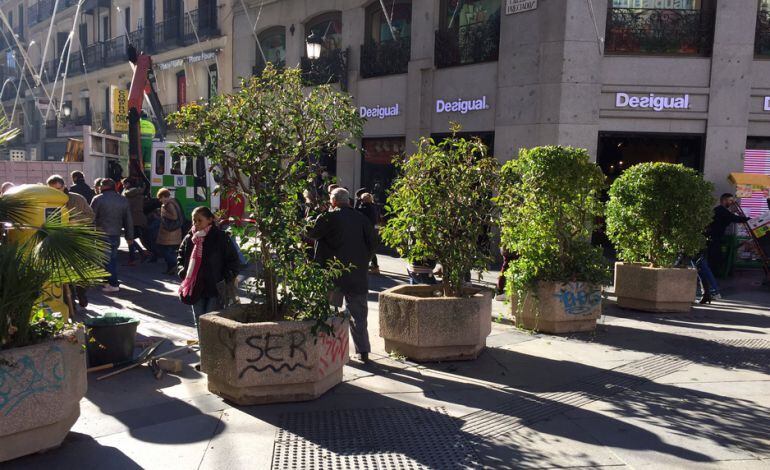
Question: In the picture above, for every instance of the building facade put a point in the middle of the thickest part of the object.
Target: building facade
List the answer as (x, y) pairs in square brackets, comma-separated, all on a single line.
[(81, 72), (631, 80)]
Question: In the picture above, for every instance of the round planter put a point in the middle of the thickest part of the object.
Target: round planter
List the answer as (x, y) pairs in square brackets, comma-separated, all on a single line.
[(40, 391), (416, 324), (110, 339), (558, 307), (641, 287), (269, 362)]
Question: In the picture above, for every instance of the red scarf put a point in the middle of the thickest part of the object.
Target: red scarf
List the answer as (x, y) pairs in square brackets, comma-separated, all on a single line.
[(188, 284)]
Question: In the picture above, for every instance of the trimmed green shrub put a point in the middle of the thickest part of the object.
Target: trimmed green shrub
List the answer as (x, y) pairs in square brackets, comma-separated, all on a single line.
[(549, 200), (441, 208), (658, 211)]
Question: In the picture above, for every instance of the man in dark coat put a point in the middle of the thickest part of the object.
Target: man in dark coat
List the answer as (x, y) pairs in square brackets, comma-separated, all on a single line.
[(716, 231), (79, 186), (347, 235)]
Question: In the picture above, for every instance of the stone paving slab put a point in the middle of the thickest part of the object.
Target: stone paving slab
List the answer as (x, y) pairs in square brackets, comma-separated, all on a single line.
[(682, 420)]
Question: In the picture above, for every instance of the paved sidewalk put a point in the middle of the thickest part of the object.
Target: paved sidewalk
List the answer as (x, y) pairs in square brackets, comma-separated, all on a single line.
[(657, 391)]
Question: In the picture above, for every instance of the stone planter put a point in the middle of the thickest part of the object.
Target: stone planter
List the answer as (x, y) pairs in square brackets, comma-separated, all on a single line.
[(269, 362), (425, 328), (40, 391), (560, 307), (641, 287)]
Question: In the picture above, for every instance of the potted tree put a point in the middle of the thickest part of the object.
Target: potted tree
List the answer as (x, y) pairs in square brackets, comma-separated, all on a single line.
[(656, 214), (288, 344), (42, 361), (441, 208), (549, 199)]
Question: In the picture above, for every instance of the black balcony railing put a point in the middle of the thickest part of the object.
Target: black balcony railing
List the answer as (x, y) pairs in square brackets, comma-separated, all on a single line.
[(470, 44), (762, 38), (385, 58), (663, 32), (115, 50), (331, 67)]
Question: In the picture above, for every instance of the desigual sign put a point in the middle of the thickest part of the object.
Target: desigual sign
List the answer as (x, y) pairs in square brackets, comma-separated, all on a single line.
[(461, 106), (652, 101), (379, 112)]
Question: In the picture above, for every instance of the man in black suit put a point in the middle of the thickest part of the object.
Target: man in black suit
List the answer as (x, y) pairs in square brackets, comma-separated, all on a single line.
[(716, 231), (347, 235)]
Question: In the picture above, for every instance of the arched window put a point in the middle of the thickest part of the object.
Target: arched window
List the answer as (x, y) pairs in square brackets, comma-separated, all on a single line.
[(272, 42), (388, 20), (329, 27), (469, 32)]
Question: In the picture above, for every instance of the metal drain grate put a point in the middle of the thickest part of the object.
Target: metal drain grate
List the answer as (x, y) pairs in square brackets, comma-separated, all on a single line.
[(527, 408), (381, 438)]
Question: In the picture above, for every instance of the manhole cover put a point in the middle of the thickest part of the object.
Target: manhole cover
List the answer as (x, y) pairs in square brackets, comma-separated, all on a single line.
[(381, 438)]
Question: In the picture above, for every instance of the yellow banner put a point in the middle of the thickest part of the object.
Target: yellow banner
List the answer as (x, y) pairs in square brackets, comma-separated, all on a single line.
[(119, 110)]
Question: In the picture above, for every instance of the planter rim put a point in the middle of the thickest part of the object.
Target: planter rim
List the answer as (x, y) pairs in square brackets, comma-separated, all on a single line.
[(480, 291), (648, 266), (69, 335), (218, 318)]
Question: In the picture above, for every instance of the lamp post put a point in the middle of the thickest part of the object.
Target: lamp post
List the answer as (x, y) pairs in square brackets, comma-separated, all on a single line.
[(314, 42)]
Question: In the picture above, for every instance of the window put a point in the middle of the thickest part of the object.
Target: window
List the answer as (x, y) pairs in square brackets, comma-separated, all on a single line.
[(387, 47), (188, 166), (273, 45), (329, 27), (21, 20), (176, 164), (469, 32), (160, 162), (127, 19), (213, 80), (660, 27)]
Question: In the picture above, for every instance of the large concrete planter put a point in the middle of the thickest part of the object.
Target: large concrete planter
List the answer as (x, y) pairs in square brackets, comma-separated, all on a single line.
[(641, 287), (269, 362), (40, 391), (425, 328), (558, 307)]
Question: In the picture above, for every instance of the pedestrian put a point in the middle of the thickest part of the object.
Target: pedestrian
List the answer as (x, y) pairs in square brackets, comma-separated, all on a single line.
[(78, 211), (5, 187), (207, 261), (112, 214), (359, 194), (135, 197), (170, 230), (346, 235), (715, 233), (79, 186), (97, 186), (368, 208)]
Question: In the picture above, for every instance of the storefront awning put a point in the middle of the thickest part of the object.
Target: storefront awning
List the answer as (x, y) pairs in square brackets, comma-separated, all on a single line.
[(751, 179)]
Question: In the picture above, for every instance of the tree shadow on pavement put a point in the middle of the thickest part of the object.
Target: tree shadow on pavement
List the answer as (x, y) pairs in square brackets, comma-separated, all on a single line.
[(714, 315), (78, 451)]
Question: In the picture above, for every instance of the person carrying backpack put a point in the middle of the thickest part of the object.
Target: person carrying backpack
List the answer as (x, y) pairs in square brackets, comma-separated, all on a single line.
[(170, 232)]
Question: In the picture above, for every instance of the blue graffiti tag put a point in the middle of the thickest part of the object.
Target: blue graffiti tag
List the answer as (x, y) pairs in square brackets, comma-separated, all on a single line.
[(23, 378), (579, 298)]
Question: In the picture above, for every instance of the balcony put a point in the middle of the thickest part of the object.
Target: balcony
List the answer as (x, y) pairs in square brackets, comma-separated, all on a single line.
[(470, 44), (204, 26), (762, 38), (659, 32), (331, 67), (385, 58)]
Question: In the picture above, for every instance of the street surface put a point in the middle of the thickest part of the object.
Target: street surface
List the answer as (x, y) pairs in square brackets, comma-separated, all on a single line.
[(643, 391)]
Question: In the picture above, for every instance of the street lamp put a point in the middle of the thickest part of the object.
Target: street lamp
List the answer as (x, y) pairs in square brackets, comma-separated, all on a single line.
[(314, 42)]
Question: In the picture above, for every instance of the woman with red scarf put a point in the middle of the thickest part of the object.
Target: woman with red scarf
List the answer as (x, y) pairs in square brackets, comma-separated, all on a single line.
[(206, 258)]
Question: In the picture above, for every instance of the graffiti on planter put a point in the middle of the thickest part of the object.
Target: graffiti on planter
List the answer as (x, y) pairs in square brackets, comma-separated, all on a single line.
[(579, 298), (24, 378), (281, 352), (335, 349)]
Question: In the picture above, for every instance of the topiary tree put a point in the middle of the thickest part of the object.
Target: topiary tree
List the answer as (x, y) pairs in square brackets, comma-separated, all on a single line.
[(440, 207), (549, 199), (266, 139), (658, 211)]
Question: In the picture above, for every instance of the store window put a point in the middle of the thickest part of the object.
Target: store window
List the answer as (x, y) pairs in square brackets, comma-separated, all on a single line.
[(762, 38), (378, 170), (660, 27), (618, 151), (388, 31), (469, 32), (272, 43)]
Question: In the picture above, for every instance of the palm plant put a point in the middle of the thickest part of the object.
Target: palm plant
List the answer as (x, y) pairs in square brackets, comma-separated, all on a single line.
[(54, 252)]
